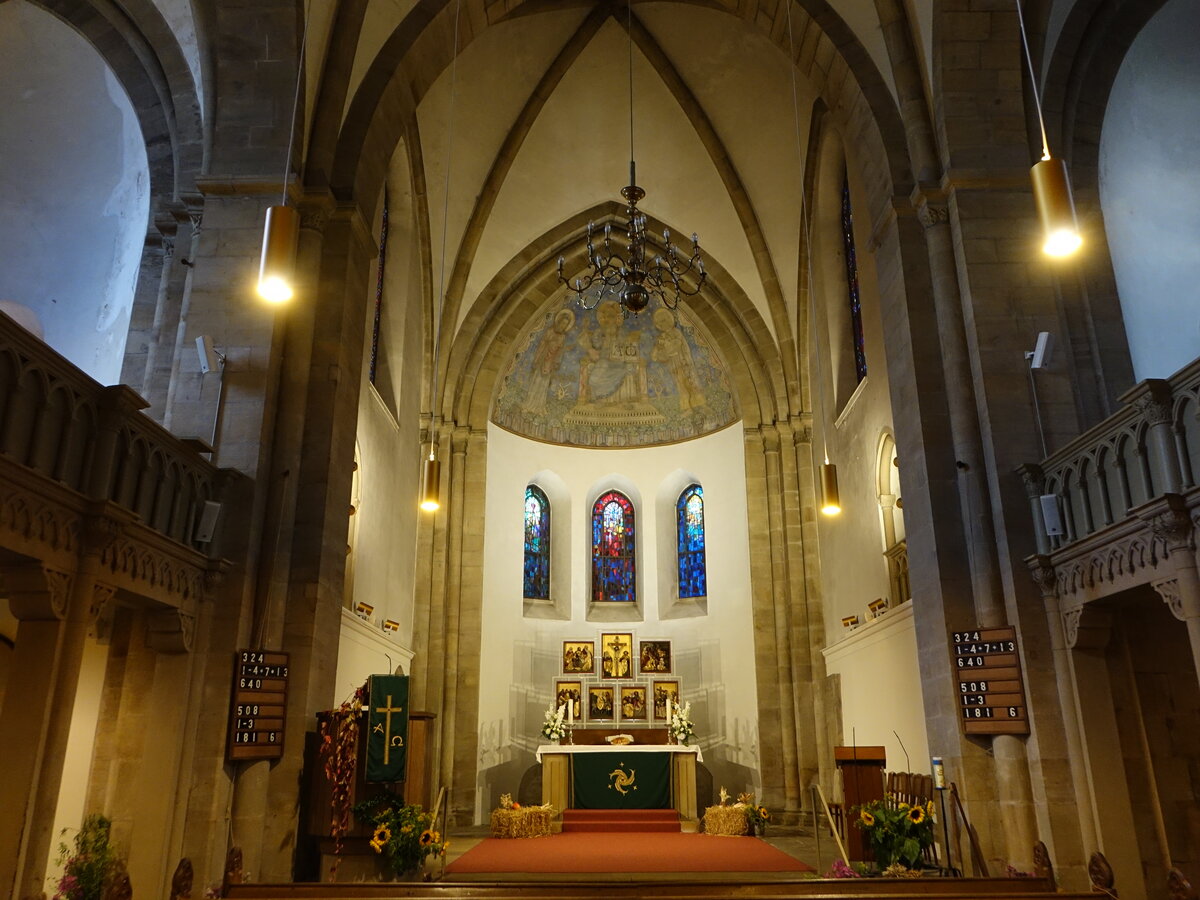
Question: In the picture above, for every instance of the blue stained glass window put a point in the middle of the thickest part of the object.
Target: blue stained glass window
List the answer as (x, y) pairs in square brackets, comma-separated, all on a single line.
[(689, 514), (856, 325), (612, 549), (537, 544)]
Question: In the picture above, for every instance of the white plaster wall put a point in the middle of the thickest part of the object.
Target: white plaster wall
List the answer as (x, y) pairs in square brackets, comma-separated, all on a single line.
[(881, 689), (1150, 190), (365, 650), (74, 189), (521, 657)]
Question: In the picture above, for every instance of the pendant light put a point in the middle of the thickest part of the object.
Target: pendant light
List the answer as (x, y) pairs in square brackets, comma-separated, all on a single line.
[(432, 470), (281, 231), (1051, 187), (831, 502)]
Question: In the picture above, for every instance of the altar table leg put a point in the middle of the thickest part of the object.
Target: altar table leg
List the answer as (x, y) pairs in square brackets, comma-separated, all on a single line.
[(555, 771)]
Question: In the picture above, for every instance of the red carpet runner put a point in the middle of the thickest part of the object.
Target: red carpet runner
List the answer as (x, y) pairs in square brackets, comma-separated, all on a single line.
[(627, 841)]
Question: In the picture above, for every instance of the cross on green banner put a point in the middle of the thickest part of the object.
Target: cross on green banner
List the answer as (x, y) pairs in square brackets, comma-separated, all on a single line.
[(387, 727), (621, 780)]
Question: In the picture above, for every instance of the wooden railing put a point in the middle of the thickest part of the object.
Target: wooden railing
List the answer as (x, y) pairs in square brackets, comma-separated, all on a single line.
[(1149, 448), (60, 423)]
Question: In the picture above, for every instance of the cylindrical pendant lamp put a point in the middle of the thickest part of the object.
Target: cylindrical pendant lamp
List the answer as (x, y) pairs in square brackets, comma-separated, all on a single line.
[(277, 269), (430, 494), (1056, 209), (831, 502)]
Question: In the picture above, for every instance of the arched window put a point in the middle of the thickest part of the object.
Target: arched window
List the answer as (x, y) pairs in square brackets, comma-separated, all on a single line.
[(612, 549), (689, 516), (856, 325), (537, 544)]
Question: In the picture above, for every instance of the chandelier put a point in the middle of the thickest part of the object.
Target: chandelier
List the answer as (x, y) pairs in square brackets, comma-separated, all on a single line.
[(631, 277)]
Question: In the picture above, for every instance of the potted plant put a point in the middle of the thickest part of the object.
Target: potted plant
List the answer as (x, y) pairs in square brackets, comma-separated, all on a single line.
[(404, 835), (896, 832), (90, 864)]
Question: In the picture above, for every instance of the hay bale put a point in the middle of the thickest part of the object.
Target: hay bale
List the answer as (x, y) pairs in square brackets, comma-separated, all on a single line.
[(726, 820)]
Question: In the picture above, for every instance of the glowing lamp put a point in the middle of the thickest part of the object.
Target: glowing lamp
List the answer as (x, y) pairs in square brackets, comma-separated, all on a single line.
[(1052, 193), (433, 480), (278, 265), (831, 502)]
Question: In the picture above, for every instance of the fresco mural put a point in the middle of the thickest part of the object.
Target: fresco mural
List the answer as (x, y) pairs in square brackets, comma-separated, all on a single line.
[(597, 378)]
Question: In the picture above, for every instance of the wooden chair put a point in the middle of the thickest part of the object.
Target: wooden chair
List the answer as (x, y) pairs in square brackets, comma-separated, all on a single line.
[(1042, 867), (1179, 888), (1100, 873)]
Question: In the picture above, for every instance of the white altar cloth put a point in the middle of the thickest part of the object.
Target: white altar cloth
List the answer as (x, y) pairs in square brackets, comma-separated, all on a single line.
[(624, 748)]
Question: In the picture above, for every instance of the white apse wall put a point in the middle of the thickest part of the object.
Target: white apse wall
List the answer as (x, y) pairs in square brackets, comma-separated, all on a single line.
[(520, 656)]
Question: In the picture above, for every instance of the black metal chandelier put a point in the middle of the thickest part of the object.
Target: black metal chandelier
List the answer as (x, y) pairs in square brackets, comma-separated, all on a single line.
[(632, 278)]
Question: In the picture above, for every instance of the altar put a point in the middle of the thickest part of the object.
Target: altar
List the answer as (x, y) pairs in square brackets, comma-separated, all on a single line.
[(601, 776)]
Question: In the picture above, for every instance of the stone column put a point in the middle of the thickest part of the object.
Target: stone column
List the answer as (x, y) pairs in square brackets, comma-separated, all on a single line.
[(87, 600), (37, 596), (1181, 591), (174, 290)]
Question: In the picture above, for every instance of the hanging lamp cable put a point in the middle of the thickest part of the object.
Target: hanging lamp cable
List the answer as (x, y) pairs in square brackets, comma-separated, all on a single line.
[(287, 162), (1033, 80), (439, 302)]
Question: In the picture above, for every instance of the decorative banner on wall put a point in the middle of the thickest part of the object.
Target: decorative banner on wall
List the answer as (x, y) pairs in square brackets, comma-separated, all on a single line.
[(616, 780), (599, 379), (387, 728)]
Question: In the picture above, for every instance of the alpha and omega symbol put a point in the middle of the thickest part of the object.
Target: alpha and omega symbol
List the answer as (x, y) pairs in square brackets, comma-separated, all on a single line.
[(622, 781)]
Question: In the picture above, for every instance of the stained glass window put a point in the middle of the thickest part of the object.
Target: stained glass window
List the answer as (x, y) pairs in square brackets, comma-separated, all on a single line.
[(612, 549), (856, 326), (537, 544), (689, 514)]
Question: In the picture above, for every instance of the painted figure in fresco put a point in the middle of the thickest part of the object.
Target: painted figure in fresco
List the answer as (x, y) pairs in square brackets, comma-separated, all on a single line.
[(672, 350), (612, 369), (546, 359)]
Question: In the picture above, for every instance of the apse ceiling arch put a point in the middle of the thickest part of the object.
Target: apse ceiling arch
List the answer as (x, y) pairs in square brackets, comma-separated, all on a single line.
[(521, 291)]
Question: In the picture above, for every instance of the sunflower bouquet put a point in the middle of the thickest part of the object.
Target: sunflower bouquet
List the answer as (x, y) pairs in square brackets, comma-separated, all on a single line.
[(896, 831), (405, 835)]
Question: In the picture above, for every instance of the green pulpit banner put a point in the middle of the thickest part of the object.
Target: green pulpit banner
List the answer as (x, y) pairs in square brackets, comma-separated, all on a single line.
[(621, 780), (387, 727)]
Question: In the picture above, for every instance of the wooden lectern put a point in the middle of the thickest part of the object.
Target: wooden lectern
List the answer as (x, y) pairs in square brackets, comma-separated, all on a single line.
[(862, 782)]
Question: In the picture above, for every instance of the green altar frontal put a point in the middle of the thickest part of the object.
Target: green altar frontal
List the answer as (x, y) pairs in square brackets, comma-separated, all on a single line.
[(621, 780)]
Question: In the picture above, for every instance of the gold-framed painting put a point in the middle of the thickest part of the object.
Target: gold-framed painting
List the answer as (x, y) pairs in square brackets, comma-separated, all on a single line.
[(571, 693), (632, 700), (579, 658), (654, 658), (661, 691), (616, 655), (601, 707)]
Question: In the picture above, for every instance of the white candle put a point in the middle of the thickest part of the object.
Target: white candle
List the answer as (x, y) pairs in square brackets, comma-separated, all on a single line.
[(668, 710), (571, 711)]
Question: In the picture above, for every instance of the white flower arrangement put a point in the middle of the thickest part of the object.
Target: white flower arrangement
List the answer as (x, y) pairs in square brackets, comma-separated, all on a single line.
[(553, 728), (680, 725)]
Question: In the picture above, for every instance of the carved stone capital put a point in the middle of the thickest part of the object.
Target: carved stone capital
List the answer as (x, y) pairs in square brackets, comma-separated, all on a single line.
[(929, 215), (168, 248), (36, 593), (1044, 576), (1170, 591), (1070, 619), (1152, 401), (170, 631), (100, 614), (1172, 525), (314, 218), (1033, 478)]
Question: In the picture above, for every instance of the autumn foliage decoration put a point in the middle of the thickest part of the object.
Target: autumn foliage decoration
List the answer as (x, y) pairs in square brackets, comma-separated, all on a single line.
[(339, 756)]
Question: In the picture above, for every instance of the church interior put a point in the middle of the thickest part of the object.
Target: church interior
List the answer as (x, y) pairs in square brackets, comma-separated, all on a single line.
[(794, 425)]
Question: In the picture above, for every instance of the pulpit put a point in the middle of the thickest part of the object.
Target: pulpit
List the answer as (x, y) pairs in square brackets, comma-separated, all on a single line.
[(862, 782)]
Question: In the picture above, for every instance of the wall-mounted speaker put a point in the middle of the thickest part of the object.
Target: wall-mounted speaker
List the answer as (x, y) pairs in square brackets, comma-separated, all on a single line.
[(1051, 515), (209, 358), (1042, 350), (208, 521)]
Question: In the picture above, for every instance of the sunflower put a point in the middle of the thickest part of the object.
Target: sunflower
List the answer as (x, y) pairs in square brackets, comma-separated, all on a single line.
[(426, 837), (382, 835), (916, 815), (866, 818), (929, 808), (762, 811), (903, 806)]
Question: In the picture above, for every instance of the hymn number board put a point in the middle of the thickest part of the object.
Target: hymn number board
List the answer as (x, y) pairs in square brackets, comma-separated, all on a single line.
[(259, 701), (990, 691)]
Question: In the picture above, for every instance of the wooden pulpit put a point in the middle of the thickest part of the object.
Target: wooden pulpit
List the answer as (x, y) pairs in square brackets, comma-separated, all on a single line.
[(862, 782)]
